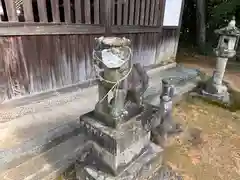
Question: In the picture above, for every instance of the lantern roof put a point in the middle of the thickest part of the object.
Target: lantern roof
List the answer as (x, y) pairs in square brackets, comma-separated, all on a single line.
[(230, 30)]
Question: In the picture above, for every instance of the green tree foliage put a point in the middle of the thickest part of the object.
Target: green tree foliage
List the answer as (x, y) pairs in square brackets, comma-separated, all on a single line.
[(218, 14), (221, 11)]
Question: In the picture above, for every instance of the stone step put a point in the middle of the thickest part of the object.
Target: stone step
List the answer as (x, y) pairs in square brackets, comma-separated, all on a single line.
[(140, 169), (36, 145), (48, 165)]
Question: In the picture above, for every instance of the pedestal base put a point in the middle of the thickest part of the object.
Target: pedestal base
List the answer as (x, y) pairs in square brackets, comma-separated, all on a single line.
[(216, 92), (220, 97), (117, 148), (142, 168)]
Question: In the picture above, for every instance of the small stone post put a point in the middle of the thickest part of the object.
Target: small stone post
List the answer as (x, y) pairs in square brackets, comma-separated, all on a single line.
[(167, 124)]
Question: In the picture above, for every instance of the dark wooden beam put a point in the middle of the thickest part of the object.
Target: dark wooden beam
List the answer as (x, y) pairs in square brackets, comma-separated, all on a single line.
[(22, 29), (170, 27), (134, 29)]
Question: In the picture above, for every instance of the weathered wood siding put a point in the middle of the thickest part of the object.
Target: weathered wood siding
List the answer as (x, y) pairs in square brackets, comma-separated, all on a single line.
[(33, 64), (167, 46), (49, 46)]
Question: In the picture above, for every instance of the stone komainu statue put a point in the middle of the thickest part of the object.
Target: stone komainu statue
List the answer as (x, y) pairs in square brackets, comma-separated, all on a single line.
[(117, 74)]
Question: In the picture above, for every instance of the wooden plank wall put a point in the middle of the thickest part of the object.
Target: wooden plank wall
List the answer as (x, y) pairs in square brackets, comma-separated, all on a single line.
[(33, 64), (38, 63), (167, 45), (44, 17), (137, 12)]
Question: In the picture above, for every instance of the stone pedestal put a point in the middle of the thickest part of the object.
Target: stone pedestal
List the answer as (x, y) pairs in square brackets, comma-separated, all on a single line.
[(215, 88), (141, 168), (220, 70), (117, 150)]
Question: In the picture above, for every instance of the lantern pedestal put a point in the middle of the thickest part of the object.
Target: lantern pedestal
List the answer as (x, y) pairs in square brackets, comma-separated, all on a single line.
[(215, 88)]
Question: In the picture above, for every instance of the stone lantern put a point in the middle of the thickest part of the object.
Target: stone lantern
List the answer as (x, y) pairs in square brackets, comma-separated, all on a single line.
[(226, 48)]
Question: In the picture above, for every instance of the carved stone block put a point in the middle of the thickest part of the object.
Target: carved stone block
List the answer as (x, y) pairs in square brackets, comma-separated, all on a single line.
[(116, 148)]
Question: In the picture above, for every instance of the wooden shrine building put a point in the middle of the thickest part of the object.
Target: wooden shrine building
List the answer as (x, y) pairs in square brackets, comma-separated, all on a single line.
[(47, 44)]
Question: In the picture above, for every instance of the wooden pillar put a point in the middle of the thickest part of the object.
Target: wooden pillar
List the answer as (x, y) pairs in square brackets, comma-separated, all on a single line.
[(106, 13), (179, 29)]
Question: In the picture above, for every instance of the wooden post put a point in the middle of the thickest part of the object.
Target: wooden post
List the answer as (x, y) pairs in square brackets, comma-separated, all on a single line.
[(142, 12), (67, 11), (147, 12), (162, 9), (179, 28), (152, 9), (96, 11), (131, 13), (11, 10), (87, 11), (55, 10), (107, 15), (137, 12), (119, 12), (157, 13), (201, 25), (78, 11), (1, 11), (42, 10), (28, 10), (126, 16)]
